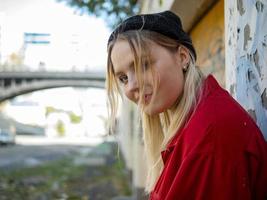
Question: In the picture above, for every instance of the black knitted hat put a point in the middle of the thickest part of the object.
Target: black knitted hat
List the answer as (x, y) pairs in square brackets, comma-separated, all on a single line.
[(166, 23)]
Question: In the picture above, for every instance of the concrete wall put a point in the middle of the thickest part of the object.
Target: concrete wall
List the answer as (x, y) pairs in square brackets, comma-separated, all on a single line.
[(246, 56), (132, 147), (208, 39), (125, 133)]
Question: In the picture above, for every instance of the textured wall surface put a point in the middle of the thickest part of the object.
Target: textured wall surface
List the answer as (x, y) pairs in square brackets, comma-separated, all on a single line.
[(246, 56), (131, 145), (208, 39)]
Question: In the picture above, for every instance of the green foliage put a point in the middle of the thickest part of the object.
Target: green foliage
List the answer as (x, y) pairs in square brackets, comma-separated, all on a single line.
[(49, 110), (60, 128), (75, 119), (65, 179), (34, 182), (113, 11)]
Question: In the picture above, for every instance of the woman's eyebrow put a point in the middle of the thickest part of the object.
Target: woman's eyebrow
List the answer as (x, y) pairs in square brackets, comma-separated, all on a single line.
[(129, 66), (118, 73)]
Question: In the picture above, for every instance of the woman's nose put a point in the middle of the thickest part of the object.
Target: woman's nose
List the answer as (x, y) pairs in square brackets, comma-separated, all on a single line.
[(132, 91)]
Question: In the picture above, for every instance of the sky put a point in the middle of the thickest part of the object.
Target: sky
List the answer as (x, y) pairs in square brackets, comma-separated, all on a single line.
[(77, 42)]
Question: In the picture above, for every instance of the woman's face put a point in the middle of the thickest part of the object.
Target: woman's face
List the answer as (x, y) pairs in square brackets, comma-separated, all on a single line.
[(168, 71)]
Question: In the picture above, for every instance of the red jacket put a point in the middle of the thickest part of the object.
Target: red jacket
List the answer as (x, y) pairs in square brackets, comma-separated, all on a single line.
[(219, 155)]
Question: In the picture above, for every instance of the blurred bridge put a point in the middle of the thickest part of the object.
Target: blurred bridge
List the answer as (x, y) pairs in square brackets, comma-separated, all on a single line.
[(16, 83)]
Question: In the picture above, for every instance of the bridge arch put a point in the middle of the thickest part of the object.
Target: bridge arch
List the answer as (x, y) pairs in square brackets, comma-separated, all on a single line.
[(13, 84)]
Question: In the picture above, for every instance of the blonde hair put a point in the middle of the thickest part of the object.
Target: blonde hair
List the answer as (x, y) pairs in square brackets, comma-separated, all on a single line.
[(158, 129)]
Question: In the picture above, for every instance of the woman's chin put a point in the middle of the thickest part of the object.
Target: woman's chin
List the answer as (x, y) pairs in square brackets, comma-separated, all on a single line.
[(149, 110)]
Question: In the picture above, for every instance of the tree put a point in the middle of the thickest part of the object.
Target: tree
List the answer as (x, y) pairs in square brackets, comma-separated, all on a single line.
[(60, 128), (113, 11)]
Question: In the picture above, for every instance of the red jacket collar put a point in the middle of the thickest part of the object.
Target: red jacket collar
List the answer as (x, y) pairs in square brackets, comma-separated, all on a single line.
[(210, 84)]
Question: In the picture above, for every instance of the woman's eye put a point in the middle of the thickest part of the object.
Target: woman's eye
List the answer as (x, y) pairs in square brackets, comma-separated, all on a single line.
[(123, 79), (145, 66)]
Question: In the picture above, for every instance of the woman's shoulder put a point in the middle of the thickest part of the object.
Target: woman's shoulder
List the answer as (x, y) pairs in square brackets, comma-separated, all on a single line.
[(234, 130), (218, 121), (221, 119), (222, 109)]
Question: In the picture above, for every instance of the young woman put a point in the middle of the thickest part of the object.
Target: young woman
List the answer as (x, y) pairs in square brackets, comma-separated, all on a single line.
[(200, 144)]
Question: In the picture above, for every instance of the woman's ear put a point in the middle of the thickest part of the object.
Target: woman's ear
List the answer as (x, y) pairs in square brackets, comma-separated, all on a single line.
[(183, 56)]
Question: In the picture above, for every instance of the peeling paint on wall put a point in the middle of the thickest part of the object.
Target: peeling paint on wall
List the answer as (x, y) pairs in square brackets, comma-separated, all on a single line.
[(251, 76), (252, 113), (246, 36), (229, 42), (259, 6), (256, 61), (246, 56), (240, 7), (264, 43), (232, 89), (256, 88), (264, 99)]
